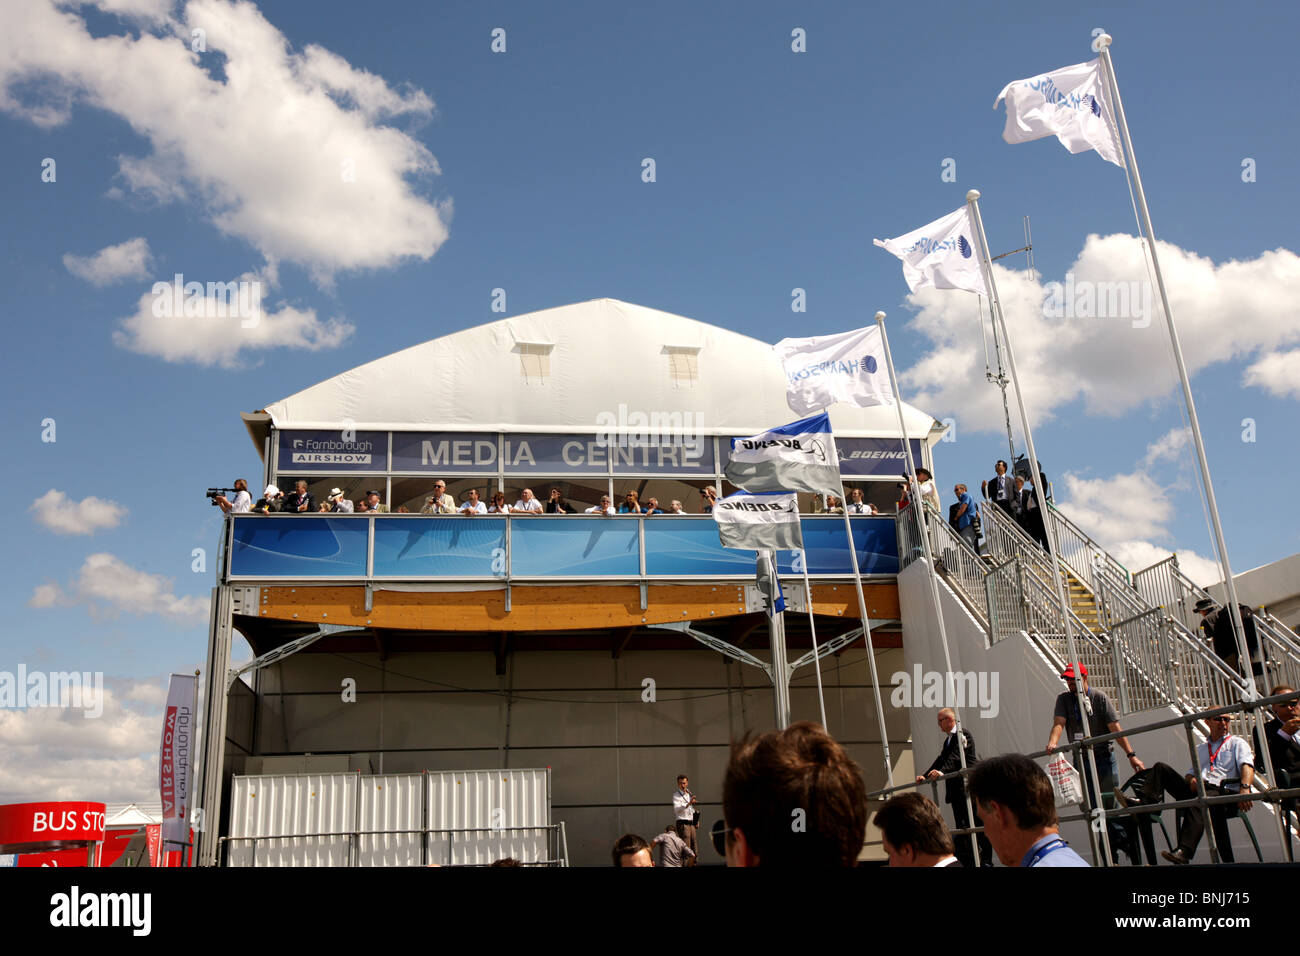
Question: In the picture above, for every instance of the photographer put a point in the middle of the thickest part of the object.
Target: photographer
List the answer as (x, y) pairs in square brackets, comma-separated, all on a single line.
[(243, 502), (271, 502)]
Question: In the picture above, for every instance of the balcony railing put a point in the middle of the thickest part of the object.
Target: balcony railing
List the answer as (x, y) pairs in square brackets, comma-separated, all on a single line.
[(519, 549)]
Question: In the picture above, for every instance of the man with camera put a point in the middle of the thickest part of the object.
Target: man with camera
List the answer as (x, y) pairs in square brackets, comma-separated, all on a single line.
[(243, 502)]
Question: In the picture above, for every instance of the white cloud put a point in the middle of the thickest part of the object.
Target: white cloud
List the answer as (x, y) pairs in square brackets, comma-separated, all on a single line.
[(66, 756), (210, 329), (1167, 447), (126, 260), (282, 149), (108, 585), (54, 510), (1226, 311), (1137, 555), (1278, 373), (45, 595)]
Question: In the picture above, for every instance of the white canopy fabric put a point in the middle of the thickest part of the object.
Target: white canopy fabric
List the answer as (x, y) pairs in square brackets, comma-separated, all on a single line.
[(581, 360)]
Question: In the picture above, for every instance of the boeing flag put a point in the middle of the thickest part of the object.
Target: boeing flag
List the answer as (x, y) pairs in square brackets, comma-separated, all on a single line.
[(795, 457), (940, 254), (762, 522), (1069, 103), (847, 367)]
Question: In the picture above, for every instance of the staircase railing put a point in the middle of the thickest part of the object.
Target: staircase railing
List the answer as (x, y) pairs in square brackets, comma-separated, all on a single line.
[(1080, 552), (1279, 644)]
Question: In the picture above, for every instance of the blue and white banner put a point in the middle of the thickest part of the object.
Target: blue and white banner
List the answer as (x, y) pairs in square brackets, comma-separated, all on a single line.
[(1070, 104), (940, 254), (847, 367), (762, 522), (795, 457)]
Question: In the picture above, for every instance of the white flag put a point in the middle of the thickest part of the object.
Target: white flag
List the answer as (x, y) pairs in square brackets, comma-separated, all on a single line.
[(795, 457), (848, 367), (176, 758), (1070, 104), (759, 522), (941, 254)]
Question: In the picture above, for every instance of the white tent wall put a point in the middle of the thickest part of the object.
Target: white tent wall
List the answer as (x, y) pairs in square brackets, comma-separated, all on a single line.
[(1027, 689), (614, 765)]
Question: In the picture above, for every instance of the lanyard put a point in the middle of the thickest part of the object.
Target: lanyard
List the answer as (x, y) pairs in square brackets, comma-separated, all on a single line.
[(1216, 752), (1046, 850)]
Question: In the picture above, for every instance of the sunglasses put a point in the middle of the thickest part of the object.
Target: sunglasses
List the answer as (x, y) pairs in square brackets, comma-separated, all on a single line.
[(718, 836)]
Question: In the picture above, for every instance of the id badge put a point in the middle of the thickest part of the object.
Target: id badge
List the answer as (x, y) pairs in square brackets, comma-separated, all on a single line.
[(1214, 776)]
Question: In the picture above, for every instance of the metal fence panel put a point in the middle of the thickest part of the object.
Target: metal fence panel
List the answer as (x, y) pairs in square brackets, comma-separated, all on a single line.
[(508, 810), (263, 807), (391, 802)]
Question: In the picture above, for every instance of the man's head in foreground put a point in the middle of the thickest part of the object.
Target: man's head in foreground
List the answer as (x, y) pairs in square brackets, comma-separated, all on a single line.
[(793, 798), (1015, 803), (913, 831), (631, 850)]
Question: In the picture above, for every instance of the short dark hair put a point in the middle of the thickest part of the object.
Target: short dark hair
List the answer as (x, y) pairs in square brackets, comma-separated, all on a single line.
[(1000, 462), (1020, 785), (1280, 689), (506, 861), (800, 768), (628, 843), (913, 819), (681, 777)]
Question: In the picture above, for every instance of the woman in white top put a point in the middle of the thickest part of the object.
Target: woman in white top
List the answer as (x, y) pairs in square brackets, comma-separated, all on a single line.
[(499, 506), (929, 493)]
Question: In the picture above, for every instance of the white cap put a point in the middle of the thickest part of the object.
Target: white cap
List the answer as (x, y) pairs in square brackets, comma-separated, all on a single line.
[(270, 492)]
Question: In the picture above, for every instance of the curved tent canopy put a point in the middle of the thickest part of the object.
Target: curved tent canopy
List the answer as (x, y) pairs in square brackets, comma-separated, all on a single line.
[(558, 369)]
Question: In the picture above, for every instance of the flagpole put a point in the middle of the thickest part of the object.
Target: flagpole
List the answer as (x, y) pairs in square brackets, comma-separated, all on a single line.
[(776, 636), (807, 588), (871, 649), (1249, 690), (918, 507), (1103, 43), (1049, 527)]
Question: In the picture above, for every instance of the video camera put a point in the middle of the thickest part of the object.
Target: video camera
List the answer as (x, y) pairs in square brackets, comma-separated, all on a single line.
[(214, 493)]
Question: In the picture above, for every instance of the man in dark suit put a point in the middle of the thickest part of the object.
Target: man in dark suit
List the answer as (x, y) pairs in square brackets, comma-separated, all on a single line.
[(1001, 490), (1216, 622), (949, 761), (1283, 736), (1031, 515)]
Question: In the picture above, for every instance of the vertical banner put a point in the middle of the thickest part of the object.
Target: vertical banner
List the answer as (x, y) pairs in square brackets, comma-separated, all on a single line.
[(176, 757), (153, 839)]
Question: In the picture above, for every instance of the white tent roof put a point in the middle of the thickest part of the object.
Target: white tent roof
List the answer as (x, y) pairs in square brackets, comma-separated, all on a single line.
[(131, 815), (602, 354)]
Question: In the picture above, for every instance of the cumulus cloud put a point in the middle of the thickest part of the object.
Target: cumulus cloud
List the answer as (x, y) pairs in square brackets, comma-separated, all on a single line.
[(54, 510), (126, 260), (1278, 373), (283, 149), (1111, 362), (65, 756), (219, 323), (1167, 447), (108, 585)]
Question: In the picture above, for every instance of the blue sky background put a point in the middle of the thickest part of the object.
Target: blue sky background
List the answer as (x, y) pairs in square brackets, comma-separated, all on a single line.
[(775, 170)]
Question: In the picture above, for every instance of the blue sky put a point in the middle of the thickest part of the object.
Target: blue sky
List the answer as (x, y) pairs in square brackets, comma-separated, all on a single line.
[(522, 170)]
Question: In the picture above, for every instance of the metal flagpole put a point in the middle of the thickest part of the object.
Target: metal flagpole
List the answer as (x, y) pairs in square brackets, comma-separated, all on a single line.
[(918, 507), (871, 649), (1250, 691), (1049, 527), (812, 625), (780, 675)]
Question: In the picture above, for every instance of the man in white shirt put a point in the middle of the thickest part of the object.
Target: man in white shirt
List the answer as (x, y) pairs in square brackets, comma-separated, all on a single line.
[(243, 502), (913, 832), (439, 503), (1226, 765), (339, 503), (527, 503), (606, 507), (675, 508), (472, 505), (684, 815), (857, 506)]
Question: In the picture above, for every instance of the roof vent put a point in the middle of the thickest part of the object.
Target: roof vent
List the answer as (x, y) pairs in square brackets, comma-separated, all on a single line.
[(683, 365), (535, 361)]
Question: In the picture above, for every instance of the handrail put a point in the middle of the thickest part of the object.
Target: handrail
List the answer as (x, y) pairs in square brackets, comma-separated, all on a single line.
[(1082, 569)]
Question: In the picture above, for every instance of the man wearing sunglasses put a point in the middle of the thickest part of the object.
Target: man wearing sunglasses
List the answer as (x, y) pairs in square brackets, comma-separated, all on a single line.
[(1283, 736), (1225, 764)]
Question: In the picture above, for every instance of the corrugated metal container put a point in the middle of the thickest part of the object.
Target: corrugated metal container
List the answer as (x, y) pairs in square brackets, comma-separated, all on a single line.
[(349, 819), (287, 814), (512, 805), (392, 802)]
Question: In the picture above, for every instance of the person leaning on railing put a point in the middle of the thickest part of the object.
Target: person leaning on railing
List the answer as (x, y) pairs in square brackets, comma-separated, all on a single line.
[(1226, 767)]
